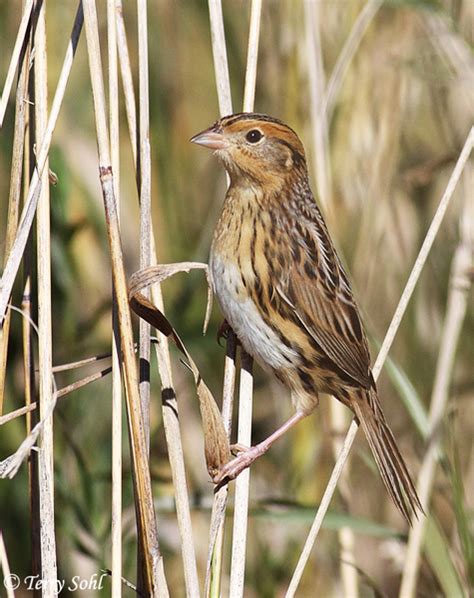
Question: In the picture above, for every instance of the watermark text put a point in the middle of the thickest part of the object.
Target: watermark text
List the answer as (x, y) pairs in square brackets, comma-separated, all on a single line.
[(35, 582)]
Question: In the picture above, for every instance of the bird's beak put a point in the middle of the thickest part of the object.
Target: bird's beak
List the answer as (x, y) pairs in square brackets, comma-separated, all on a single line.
[(211, 138)]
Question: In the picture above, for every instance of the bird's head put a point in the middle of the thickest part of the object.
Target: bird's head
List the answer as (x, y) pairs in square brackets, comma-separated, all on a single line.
[(255, 147)]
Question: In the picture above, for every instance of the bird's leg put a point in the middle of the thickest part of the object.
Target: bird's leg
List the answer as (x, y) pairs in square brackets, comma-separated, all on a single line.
[(224, 330), (247, 456)]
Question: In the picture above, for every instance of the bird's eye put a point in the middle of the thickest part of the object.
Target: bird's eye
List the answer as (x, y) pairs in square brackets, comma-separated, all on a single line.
[(253, 136)]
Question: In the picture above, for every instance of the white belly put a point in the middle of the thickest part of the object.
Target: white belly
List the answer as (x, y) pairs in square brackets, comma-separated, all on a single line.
[(257, 338)]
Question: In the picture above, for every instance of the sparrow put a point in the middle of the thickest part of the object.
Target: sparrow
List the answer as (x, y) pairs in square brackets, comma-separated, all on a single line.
[(284, 292)]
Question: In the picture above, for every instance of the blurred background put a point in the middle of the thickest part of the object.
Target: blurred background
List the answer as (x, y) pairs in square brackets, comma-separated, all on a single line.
[(399, 121)]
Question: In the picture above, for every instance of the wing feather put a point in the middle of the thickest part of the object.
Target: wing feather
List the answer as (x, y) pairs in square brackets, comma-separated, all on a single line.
[(323, 302)]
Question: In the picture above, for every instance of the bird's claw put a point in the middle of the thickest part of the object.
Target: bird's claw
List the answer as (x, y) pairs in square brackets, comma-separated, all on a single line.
[(224, 330), (237, 449), (245, 457)]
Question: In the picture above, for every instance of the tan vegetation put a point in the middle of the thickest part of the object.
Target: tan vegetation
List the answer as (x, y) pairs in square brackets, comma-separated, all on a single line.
[(382, 147)]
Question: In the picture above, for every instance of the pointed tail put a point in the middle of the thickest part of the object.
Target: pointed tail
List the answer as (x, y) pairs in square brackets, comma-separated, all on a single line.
[(384, 448)]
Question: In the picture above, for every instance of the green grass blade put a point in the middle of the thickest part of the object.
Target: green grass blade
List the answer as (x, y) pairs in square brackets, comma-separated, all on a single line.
[(436, 548), (409, 396)]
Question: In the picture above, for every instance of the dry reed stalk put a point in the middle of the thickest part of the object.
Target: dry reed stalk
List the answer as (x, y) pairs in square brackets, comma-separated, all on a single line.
[(65, 367), (460, 284), (45, 360), (5, 567), (116, 499), (323, 178), (252, 54), (60, 393), (20, 38), (153, 573), (215, 440), (21, 119), (346, 536), (246, 386), (347, 53), (127, 81), (387, 342), (244, 428), (65, 390), (242, 483), (228, 385), (424, 252), (30, 421), (144, 177), (31, 406), (216, 452), (219, 54), (29, 209), (319, 122), (29, 383), (169, 403), (28, 357), (175, 453), (216, 526)]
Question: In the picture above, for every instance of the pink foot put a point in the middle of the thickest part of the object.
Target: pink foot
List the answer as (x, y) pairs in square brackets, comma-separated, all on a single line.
[(244, 459), (246, 456)]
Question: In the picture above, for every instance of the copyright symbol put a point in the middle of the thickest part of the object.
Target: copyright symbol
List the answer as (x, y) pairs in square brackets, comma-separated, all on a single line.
[(11, 582)]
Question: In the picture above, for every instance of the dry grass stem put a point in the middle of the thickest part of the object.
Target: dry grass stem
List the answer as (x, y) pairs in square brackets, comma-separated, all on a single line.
[(237, 573), (29, 381), (252, 55), (347, 53), (21, 119), (219, 54), (153, 572), (228, 386), (60, 393), (169, 402), (4, 565), (27, 342), (153, 276), (323, 178), (20, 38), (65, 390), (322, 510), (215, 441), (29, 209), (127, 82), (244, 428), (424, 252), (319, 121), (216, 526), (216, 531), (460, 284), (242, 483), (169, 405), (144, 177), (394, 325), (65, 367), (216, 446), (9, 467), (45, 360), (116, 501), (346, 536), (176, 456), (7, 417)]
